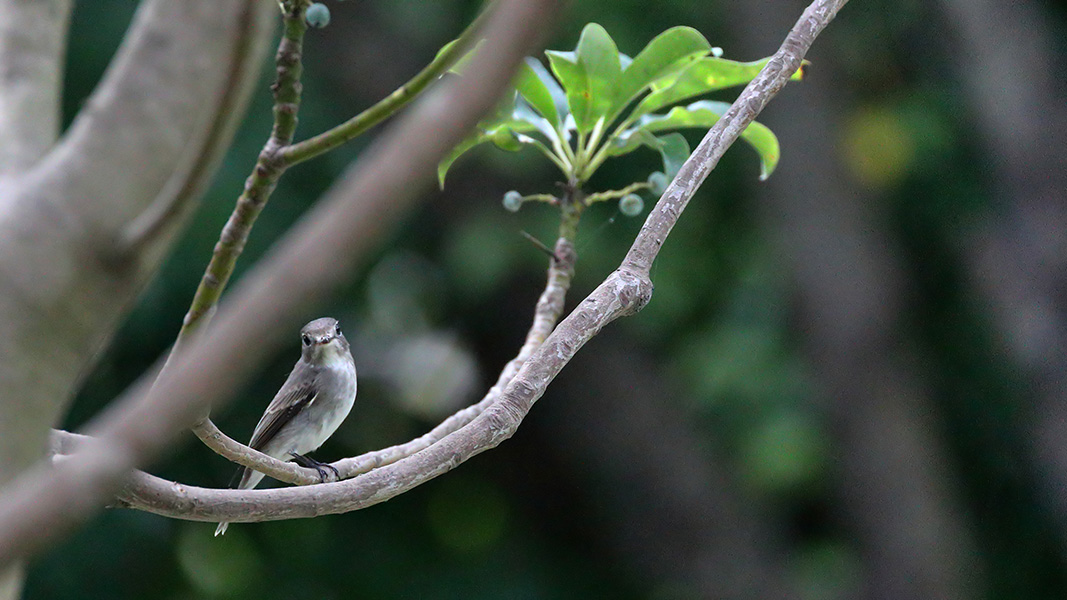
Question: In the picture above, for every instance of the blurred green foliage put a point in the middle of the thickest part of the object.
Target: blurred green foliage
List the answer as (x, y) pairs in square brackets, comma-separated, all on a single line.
[(720, 329)]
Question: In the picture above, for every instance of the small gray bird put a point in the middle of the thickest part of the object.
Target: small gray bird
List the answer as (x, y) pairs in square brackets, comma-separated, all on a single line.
[(311, 405)]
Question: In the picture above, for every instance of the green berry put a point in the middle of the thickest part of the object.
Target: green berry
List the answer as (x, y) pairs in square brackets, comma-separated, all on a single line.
[(631, 205), (657, 181), (505, 139), (512, 201), (317, 15)]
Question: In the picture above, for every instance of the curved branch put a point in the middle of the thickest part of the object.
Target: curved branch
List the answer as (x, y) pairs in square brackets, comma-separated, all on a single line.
[(623, 293), (547, 312), (246, 456)]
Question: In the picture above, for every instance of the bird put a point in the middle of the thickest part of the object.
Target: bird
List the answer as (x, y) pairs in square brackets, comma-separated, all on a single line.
[(310, 406)]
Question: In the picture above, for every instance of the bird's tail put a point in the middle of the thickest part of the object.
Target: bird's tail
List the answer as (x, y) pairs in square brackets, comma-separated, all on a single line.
[(238, 481)]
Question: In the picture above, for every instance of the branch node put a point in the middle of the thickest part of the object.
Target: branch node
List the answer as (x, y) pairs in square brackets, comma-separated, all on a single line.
[(635, 291)]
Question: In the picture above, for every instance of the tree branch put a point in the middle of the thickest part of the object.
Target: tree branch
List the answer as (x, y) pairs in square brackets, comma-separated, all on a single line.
[(207, 371), (268, 169)]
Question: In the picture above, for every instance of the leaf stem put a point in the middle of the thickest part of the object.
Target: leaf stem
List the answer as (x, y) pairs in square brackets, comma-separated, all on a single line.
[(357, 125), (614, 194)]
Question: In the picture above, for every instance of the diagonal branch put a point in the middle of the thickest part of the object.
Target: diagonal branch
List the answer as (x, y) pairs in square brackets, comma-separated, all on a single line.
[(623, 293), (277, 156), (265, 174), (313, 257)]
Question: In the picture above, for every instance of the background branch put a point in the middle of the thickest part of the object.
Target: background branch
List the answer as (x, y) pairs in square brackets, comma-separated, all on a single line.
[(895, 482), (1017, 256)]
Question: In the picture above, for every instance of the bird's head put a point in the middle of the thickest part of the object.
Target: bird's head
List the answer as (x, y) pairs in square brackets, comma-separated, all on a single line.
[(323, 343)]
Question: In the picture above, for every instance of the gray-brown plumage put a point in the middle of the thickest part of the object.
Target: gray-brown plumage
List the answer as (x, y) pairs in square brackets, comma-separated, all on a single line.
[(311, 404)]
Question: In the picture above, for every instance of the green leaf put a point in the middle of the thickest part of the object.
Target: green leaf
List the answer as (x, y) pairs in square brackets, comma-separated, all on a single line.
[(506, 134), (701, 77), (588, 75), (668, 53), (675, 151), (538, 88), (631, 139), (702, 114)]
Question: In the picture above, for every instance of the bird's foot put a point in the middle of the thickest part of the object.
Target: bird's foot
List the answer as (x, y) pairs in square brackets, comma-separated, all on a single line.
[(321, 467)]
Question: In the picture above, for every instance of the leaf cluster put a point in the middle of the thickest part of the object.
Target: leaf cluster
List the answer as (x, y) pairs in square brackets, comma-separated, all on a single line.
[(594, 103)]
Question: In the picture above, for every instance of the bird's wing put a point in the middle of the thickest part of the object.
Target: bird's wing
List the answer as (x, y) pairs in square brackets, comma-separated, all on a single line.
[(281, 411)]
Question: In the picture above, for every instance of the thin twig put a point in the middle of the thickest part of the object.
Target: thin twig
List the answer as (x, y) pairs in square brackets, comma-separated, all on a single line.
[(265, 174), (538, 244)]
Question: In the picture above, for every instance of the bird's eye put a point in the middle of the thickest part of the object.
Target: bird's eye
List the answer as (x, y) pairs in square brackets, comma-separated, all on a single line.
[(337, 329), (306, 339)]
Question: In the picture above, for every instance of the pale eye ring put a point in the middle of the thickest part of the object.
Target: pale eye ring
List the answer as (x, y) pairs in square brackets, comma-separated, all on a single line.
[(306, 339)]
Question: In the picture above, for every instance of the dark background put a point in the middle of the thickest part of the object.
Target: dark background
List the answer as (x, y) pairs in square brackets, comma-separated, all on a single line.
[(849, 383)]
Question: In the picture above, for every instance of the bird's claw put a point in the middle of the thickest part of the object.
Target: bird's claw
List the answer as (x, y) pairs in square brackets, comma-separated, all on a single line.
[(320, 467)]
